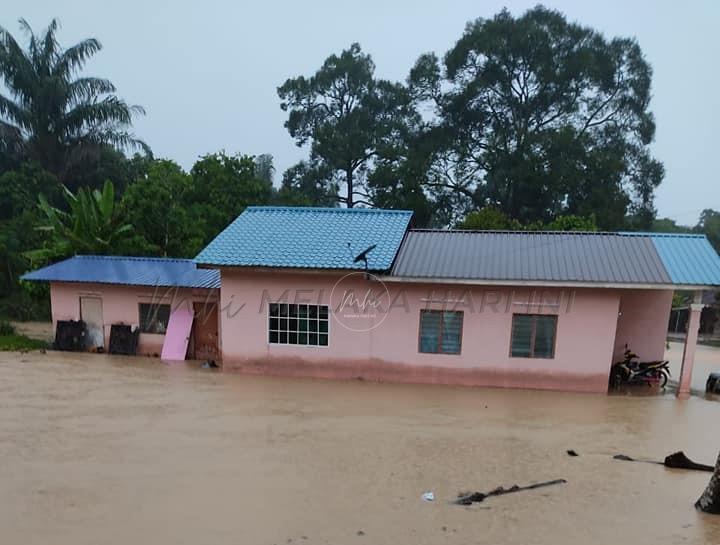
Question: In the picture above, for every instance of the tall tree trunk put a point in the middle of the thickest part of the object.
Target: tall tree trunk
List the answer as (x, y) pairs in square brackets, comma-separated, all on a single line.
[(349, 183), (710, 500)]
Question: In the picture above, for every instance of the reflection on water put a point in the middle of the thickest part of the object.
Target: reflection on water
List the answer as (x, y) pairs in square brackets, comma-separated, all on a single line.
[(101, 449)]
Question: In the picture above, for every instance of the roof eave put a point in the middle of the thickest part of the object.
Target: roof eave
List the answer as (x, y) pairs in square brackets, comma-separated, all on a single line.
[(546, 283)]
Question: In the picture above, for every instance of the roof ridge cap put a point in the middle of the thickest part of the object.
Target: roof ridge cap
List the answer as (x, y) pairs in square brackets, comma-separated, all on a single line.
[(328, 209)]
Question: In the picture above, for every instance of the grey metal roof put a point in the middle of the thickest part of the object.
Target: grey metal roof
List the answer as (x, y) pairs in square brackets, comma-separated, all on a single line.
[(131, 271), (615, 258)]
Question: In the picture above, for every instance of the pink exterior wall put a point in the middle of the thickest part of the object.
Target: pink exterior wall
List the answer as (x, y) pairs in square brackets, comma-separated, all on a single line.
[(120, 305), (587, 320), (643, 323)]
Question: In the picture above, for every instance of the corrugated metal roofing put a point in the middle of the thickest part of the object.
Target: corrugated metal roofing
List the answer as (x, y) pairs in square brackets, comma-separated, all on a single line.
[(689, 259), (614, 258), (132, 271), (317, 238)]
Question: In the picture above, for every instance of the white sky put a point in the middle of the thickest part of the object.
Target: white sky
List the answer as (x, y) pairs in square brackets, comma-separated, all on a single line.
[(207, 72)]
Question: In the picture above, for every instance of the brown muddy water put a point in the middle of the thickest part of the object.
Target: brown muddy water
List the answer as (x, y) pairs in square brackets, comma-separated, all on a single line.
[(112, 450)]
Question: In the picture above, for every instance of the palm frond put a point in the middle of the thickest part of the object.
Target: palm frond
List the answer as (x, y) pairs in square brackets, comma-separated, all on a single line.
[(11, 140), (76, 56), (84, 89), (13, 113), (16, 67), (122, 140), (98, 113), (50, 44)]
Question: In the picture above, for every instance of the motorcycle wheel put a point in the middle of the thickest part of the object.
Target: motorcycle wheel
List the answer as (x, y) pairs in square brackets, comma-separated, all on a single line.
[(616, 379), (663, 378)]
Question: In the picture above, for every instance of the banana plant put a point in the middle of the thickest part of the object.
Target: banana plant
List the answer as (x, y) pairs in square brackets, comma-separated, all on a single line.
[(93, 224)]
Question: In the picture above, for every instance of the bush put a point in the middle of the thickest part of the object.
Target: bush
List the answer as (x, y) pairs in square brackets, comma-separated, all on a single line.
[(24, 306), (6, 328), (14, 343)]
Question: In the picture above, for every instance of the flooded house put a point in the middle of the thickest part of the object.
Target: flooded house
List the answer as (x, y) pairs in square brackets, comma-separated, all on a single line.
[(361, 294), (141, 292)]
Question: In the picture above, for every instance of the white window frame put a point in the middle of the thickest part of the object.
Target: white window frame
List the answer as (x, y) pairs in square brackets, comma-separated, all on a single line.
[(267, 328)]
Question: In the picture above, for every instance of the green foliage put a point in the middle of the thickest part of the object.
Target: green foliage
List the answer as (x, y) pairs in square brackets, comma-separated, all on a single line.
[(710, 225), (19, 189), (223, 186), (308, 184), (93, 225), (51, 116), (568, 223), (22, 305), (6, 328), (348, 116), (667, 225), (541, 118), (682, 298), (493, 219), (175, 213), (20, 343), (157, 206), (110, 164)]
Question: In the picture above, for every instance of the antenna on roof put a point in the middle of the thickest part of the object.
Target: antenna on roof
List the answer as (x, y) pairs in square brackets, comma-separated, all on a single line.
[(362, 256)]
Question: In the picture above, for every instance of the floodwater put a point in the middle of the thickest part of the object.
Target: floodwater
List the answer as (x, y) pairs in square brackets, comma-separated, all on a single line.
[(116, 450)]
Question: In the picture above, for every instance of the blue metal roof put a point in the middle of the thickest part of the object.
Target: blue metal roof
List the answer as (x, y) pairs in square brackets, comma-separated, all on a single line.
[(132, 271), (315, 238), (689, 259)]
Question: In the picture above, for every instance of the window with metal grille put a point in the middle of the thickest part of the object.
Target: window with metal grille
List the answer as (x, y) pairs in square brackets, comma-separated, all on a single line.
[(154, 318), (533, 336), (440, 332), (305, 325)]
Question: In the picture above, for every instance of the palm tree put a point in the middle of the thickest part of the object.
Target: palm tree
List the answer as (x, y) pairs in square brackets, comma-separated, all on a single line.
[(710, 500), (93, 224), (51, 116)]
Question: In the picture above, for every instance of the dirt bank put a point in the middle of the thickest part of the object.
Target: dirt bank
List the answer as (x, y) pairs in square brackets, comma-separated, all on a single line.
[(113, 450)]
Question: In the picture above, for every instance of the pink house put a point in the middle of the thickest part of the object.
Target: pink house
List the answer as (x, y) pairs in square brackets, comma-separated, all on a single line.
[(139, 292), (338, 293)]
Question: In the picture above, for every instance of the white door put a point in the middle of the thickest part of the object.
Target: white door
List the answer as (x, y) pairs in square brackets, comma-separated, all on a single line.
[(91, 313)]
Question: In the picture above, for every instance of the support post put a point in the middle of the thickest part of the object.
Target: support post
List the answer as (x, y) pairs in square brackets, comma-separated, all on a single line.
[(688, 360)]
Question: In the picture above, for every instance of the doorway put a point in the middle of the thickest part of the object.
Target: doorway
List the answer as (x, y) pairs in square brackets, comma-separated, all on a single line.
[(205, 332), (91, 313)]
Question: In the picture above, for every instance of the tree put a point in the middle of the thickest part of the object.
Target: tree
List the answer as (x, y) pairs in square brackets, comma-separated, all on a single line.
[(489, 218), (92, 225), (710, 225), (50, 115), (569, 222), (541, 118), (709, 502), (19, 189), (667, 225), (264, 167), (223, 186), (308, 184), (158, 206), (348, 117)]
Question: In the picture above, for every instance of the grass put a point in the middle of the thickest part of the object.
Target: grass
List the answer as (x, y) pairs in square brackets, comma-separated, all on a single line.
[(15, 343)]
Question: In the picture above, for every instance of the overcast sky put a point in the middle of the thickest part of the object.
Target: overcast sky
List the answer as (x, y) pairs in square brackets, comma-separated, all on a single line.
[(207, 71)]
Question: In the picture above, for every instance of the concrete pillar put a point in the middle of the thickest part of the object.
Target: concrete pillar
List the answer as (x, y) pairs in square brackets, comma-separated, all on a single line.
[(690, 343)]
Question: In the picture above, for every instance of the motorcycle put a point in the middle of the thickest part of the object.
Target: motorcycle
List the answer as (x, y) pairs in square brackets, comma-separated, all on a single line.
[(632, 371)]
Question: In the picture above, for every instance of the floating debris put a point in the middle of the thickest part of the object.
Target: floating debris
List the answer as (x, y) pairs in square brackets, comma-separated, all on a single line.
[(428, 496), (477, 497), (676, 460)]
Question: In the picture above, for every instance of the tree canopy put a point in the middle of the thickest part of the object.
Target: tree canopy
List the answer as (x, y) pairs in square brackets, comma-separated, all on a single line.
[(348, 116), (540, 117), (51, 116)]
